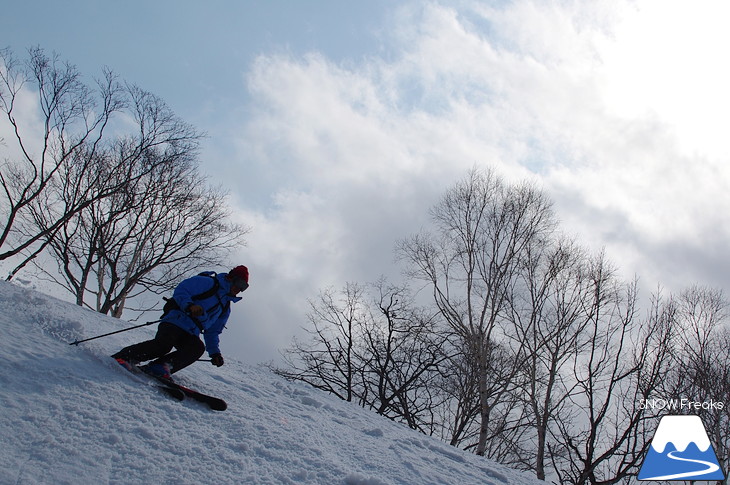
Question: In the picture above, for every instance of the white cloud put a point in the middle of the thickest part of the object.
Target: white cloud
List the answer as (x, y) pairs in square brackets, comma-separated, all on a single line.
[(356, 152)]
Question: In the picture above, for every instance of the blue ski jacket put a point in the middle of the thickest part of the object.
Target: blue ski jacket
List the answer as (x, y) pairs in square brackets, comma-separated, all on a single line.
[(216, 308)]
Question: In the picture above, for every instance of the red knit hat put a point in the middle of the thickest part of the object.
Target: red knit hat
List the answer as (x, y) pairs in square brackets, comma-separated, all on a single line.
[(239, 273)]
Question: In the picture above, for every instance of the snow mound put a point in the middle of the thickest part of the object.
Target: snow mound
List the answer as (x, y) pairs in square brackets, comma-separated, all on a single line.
[(71, 415), (680, 431)]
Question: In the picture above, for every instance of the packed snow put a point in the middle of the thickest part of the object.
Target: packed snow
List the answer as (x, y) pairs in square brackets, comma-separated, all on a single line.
[(72, 415)]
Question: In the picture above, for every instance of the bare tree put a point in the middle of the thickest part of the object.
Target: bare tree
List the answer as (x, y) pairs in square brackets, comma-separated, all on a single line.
[(717, 383), (328, 360), (379, 349), (702, 361), (460, 404), (108, 181), (549, 317), (401, 352), (72, 118), (483, 227), (624, 362), (503, 436), (165, 221)]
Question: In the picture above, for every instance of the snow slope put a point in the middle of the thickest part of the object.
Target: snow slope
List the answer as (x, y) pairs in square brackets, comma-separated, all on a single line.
[(71, 415)]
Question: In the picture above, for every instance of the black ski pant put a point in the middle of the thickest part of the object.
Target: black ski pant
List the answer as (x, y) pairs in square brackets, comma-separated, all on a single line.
[(188, 348)]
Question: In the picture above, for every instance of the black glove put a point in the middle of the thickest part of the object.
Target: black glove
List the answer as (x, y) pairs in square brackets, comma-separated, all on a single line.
[(195, 310), (216, 360)]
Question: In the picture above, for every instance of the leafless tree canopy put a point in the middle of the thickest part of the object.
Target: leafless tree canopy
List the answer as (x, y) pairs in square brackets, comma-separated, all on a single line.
[(484, 228), (532, 350), (107, 182), (372, 345), (71, 121)]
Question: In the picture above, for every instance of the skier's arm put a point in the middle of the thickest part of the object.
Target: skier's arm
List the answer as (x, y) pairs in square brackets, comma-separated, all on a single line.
[(212, 342), (212, 334), (185, 291)]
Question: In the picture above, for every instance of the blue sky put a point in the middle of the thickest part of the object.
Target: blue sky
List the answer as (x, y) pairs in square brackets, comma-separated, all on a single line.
[(336, 125), (193, 54)]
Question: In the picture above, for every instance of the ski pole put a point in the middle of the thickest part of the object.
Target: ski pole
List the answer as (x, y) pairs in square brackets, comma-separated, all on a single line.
[(112, 333)]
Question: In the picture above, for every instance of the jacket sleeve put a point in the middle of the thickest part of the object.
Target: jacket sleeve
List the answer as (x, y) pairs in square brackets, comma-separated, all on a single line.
[(185, 291), (212, 334)]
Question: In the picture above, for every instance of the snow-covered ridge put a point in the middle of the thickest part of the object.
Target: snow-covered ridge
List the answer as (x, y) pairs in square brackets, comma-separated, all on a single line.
[(680, 431), (71, 415)]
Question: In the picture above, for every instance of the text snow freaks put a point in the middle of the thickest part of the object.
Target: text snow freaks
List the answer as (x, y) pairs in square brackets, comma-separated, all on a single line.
[(680, 404)]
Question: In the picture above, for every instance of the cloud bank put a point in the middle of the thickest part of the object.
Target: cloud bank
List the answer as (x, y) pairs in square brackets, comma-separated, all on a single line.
[(615, 108)]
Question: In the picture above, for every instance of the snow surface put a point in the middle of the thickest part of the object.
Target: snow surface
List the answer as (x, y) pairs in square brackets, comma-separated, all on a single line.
[(72, 415)]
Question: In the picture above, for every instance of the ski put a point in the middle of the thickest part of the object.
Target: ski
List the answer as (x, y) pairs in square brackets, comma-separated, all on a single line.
[(176, 394), (173, 393), (214, 403)]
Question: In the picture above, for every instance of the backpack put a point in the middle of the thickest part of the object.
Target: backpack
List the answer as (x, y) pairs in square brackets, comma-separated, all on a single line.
[(171, 304)]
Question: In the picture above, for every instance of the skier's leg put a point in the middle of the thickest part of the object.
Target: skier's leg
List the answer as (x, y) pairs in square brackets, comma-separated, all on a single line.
[(150, 349), (188, 349)]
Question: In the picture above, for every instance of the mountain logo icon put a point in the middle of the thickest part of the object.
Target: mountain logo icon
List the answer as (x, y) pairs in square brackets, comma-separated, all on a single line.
[(681, 450)]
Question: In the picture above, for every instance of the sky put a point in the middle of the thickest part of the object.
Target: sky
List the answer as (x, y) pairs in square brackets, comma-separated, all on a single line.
[(335, 125)]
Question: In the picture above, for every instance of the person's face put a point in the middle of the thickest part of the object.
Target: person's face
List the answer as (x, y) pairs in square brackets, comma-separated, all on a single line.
[(237, 286)]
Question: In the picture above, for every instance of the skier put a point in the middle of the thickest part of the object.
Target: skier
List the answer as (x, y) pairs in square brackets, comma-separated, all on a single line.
[(200, 304)]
